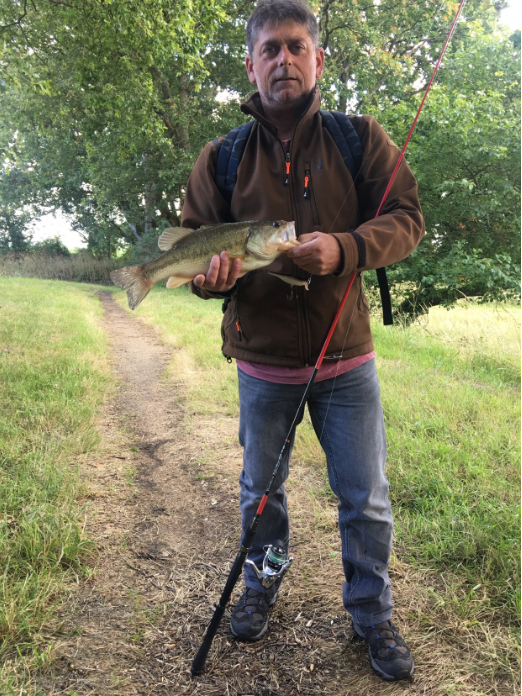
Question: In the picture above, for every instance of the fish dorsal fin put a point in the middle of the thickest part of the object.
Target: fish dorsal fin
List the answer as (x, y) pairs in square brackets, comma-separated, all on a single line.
[(172, 235), (219, 225)]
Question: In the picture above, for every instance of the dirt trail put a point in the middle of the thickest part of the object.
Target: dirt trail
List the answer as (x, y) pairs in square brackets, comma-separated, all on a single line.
[(167, 536)]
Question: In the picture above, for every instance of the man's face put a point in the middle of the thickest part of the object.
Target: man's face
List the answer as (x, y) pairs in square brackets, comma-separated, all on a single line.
[(285, 64)]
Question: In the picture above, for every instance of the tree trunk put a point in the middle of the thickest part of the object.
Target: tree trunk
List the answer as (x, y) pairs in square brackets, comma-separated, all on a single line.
[(184, 97), (133, 228), (149, 208)]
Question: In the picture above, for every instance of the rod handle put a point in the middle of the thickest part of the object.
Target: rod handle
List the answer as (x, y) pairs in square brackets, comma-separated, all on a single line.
[(199, 661), (198, 664)]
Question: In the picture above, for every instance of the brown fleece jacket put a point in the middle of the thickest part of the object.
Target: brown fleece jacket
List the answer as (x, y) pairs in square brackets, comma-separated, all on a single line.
[(279, 327)]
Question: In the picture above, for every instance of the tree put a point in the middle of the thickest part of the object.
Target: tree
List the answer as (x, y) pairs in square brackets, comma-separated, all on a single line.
[(105, 106), (101, 97), (465, 154)]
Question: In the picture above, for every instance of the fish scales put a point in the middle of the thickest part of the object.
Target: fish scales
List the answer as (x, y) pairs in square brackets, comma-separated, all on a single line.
[(198, 248), (188, 253)]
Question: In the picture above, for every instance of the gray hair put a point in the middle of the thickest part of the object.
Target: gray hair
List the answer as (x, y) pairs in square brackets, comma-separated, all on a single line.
[(276, 12)]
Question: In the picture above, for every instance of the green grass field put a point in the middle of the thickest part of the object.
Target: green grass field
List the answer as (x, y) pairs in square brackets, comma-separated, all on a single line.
[(451, 394), (53, 377)]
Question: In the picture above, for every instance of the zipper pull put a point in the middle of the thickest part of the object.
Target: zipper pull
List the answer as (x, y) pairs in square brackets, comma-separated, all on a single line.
[(238, 327), (308, 176), (287, 173)]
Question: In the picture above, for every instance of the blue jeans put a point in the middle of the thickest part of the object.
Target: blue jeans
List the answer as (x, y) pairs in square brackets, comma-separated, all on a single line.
[(346, 414)]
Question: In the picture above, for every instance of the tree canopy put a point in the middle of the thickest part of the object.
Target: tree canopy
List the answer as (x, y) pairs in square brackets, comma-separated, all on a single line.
[(104, 107)]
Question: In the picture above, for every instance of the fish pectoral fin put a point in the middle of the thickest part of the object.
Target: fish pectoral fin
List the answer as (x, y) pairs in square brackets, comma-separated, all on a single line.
[(177, 281), (171, 235)]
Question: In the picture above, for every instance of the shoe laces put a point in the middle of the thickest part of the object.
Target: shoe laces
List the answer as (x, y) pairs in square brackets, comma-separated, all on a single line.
[(252, 602), (383, 639)]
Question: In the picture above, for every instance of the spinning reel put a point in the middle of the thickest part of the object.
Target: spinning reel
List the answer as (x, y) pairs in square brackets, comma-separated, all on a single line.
[(275, 565)]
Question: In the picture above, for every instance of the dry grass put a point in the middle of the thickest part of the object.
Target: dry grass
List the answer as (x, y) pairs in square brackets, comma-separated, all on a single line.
[(473, 329), (80, 267)]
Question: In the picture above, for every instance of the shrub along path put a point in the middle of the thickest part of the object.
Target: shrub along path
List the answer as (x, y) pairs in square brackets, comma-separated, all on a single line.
[(167, 529)]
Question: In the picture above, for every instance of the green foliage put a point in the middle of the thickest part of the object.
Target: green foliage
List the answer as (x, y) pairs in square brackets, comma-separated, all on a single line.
[(98, 103), (429, 279), (105, 106), (145, 249), (465, 154), (52, 246), (52, 382)]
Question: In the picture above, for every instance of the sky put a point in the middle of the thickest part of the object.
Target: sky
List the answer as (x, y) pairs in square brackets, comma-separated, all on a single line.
[(57, 225)]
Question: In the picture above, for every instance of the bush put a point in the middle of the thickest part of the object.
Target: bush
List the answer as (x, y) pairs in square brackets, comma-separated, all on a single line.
[(52, 247), (426, 279)]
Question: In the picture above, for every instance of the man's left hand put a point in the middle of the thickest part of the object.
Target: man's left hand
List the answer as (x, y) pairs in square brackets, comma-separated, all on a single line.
[(318, 253)]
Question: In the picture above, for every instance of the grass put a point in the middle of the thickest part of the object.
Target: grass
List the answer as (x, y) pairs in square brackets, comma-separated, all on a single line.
[(454, 447), (80, 267), (53, 377), (451, 394), (450, 387)]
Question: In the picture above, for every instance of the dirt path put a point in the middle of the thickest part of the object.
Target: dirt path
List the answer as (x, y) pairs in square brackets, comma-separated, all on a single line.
[(167, 530)]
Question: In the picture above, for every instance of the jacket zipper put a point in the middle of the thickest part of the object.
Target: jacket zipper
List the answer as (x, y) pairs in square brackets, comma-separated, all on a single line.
[(301, 300), (309, 194), (287, 168), (233, 303)]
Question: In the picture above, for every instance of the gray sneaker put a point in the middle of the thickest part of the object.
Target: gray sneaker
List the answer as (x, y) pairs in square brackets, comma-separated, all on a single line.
[(249, 620), (389, 655)]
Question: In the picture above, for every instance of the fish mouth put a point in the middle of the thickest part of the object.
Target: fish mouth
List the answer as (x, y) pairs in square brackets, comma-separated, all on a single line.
[(286, 237), (281, 239)]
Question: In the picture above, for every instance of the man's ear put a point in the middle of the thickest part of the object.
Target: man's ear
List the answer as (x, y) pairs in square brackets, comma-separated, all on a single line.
[(250, 69), (319, 62)]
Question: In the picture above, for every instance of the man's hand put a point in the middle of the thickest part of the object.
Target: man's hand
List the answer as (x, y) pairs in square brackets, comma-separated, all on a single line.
[(218, 278), (318, 253)]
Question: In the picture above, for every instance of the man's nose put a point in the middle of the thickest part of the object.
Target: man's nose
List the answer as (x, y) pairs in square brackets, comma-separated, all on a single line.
[(285, 56)]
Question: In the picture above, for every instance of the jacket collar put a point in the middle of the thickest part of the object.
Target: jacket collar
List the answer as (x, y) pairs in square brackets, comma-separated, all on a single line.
[(253, 107)]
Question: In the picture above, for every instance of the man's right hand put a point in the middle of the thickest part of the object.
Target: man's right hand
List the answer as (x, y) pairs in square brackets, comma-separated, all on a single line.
[(218, 278)]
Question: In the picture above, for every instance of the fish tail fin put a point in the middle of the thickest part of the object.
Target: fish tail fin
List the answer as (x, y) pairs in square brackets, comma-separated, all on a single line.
[(130, 278)]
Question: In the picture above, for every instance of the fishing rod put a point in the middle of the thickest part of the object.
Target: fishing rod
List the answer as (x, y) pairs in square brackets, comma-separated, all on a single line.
[(276, 567)]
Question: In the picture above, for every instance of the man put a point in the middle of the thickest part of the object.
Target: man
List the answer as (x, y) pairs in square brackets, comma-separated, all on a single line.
[(292, 169)]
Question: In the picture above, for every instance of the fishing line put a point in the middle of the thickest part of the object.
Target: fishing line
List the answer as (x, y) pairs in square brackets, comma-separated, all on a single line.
[(338, 364)]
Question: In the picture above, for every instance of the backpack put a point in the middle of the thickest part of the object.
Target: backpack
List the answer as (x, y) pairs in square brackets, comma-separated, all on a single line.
[(345, 136)]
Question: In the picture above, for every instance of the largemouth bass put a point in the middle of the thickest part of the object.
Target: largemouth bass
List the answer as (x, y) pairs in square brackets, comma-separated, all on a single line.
[(189, 252)]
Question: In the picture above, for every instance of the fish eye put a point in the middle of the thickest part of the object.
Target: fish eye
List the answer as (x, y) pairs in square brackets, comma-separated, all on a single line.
[(276, 224)]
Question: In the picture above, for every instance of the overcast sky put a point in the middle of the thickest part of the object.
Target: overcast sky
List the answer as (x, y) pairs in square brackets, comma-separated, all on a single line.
[(58, 225)]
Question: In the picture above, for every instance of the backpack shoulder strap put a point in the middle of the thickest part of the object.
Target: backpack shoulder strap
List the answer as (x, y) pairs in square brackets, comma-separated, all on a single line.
[(346, 138), (230, 152), (350, 146)]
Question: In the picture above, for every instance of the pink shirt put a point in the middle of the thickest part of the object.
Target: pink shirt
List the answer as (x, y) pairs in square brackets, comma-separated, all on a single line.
[(301, 375)]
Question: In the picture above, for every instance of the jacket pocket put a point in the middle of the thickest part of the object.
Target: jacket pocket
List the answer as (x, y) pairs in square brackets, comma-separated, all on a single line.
[(231, 324)]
